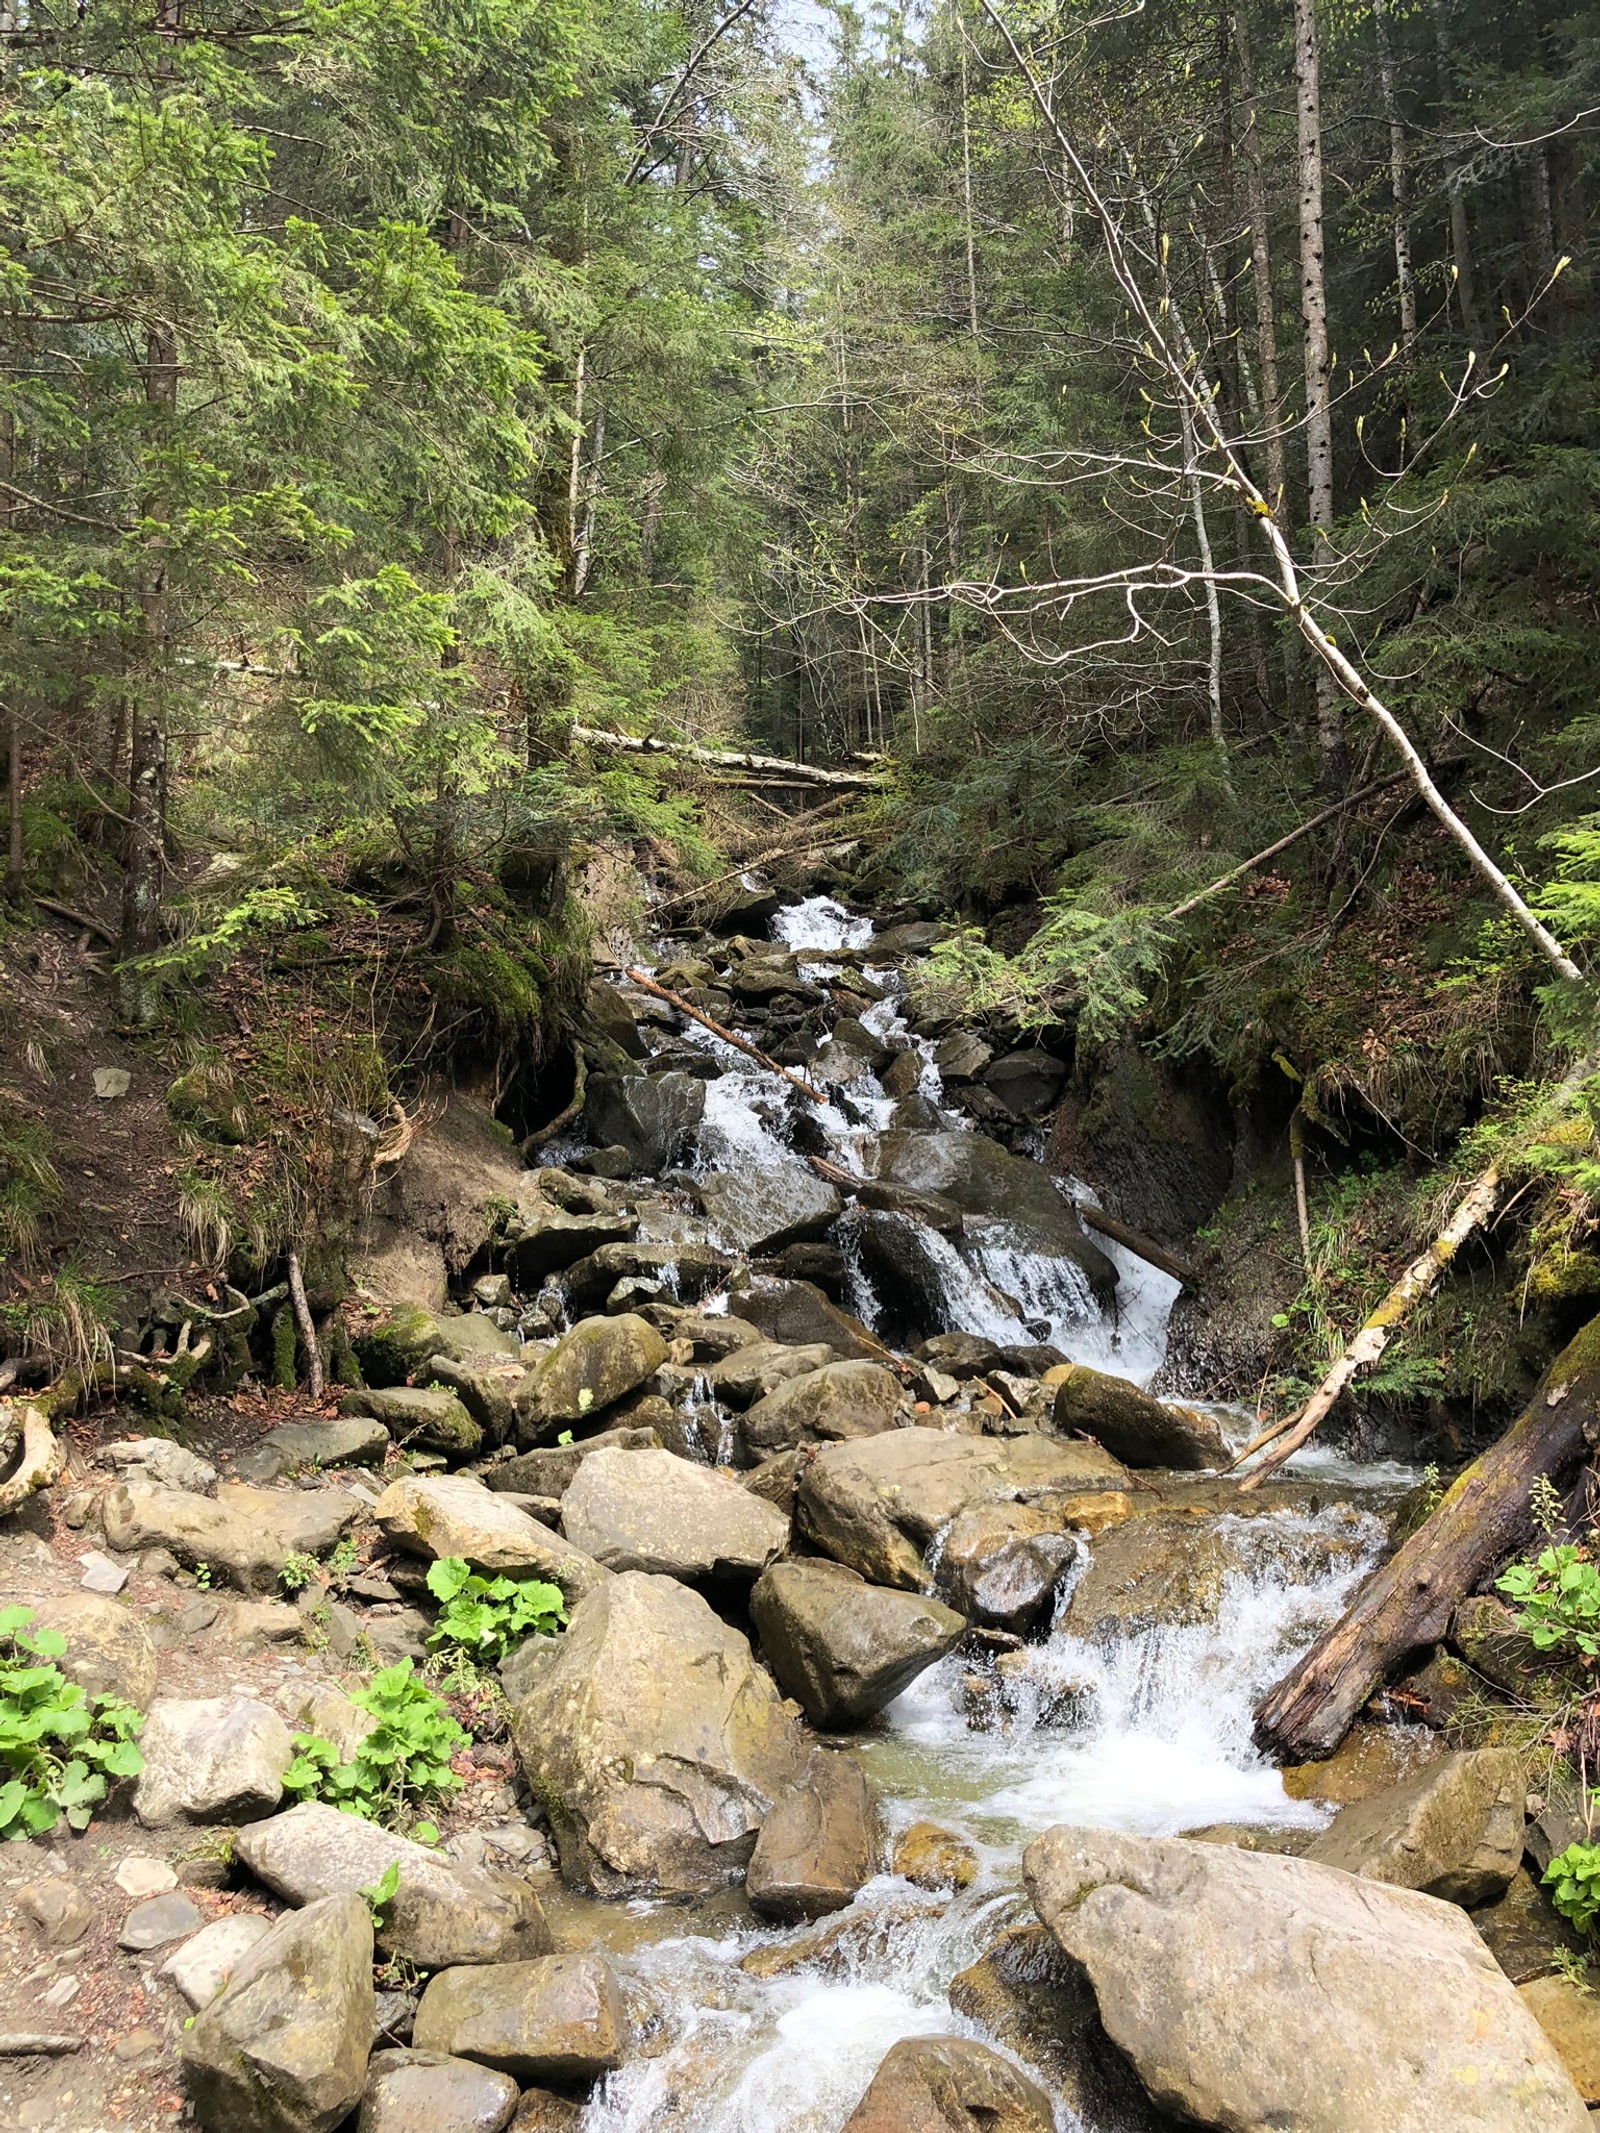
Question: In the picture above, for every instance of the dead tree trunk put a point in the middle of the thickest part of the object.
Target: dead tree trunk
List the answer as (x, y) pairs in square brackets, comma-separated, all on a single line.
[(1408, 1602)]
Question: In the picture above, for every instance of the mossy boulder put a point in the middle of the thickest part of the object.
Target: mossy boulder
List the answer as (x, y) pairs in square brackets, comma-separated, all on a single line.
[(206, 1100), (589, 1369)]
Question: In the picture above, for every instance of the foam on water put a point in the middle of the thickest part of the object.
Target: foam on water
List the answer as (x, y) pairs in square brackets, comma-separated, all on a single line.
[(819, 922)]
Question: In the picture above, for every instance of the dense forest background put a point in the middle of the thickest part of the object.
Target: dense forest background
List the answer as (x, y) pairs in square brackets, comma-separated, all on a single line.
[(396, 400)]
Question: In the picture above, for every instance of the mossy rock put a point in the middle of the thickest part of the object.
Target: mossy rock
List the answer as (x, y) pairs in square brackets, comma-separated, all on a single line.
[(206, 1100), (396, 1344), (1564, 1278)]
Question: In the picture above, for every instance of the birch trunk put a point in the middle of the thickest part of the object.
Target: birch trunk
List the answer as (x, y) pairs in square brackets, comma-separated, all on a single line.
[(1314, 317), (1399, 187), (1255, 187)]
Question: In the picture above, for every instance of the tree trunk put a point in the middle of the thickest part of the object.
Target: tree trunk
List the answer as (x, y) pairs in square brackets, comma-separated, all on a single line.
[(1460, 229), (1314, 316), (14, 853), (1399, 189), (1260, 269), (1407, 1604)]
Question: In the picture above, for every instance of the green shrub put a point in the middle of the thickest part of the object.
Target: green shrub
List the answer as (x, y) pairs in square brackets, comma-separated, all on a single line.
[(59, 1748), (489, 1617), (1558, 1596), (403, 1762), (1573, 1879)]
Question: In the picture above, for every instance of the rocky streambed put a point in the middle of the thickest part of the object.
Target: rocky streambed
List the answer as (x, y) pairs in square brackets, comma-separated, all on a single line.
[(894, 1768)]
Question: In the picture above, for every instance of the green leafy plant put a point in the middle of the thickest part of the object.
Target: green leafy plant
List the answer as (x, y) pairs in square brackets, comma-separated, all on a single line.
[(1573, 1967), (378, 1895), (405, 1759), (489, 1617), (59, 1748), (1573, 1879), (1558, 1600), (298, 1571)]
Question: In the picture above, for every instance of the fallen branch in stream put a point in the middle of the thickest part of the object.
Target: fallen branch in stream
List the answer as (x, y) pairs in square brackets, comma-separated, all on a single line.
[(1407, 1603), (729, 759), (1141, 1246), (728, 1036), (750, 866)]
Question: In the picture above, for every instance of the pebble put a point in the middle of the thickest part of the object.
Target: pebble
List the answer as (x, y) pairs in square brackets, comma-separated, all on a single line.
[(101, 1574), (153, 1924), (63, 1992), (140, 1875), (137, 2044), (59, 1909)]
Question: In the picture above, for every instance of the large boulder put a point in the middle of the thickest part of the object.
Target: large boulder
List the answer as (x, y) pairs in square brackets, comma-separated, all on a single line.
[(815, 1850), (348, 1441), (914, 1271), (876, 1503), (196, 1529), (1453, 1830), (211, 1759), (1132, 1426), (429, 1418), (760, 1210), (950, 2085), (682, 1266), (550, 1240), (549, 1470), (839, 1401), (441, 1912), (985, 1180), (654, 1741), (1026, 1082), (588, 1370), (799, 1314), (429, 2092), (434, 1515), (558, 2019), (109, 1651), (283, 2048), (295, 1521), (401, 1341), (1569, 2015), (1002, 1562), (653, 1511), (1260, 1992), (651, 1115), (748, 1374), (843, 1648)]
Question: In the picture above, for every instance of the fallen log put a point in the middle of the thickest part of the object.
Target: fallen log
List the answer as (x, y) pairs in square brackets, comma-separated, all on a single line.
[(728, 759), (1407, 1603), (728, 1036), (1141, 1246), (43, 1457), (1247, 866)]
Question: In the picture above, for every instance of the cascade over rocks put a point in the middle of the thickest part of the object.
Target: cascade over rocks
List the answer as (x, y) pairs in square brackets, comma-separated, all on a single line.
[(1255, 1992), (650, 1115), (984, 1179), (654, 1741)]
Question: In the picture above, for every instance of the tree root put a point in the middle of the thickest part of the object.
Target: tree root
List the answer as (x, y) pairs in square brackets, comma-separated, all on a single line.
[(43, 1457)]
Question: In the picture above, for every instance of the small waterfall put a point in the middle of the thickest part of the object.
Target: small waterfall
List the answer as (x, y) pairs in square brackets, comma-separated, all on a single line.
[(821, 923)]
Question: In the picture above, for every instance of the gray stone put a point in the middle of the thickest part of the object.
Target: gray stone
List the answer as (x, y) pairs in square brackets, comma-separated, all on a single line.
[(207, 1960), (167, 1464), (428, 1416), (283, 2048), (1026, 1082), (751, 1372), (553, 1240), (839, 1401), (557, 2019), (815, 1850), (1135, 1428), (655, 1512), (139, 1875), (589, 1369), (950, 2085), (1001, 1563), (1259, 1992), (798, 1314), (1453, 1830), (59, 1908), (249, 1533), (875, 1504), (962, 1056), (654, 1741), (985, 1180), (211, 1759), (651, 1115), (548, 1471), (350, 1441), (429, 2092), (841, 1648), (109, 1650), (441, 1912), (111, 1082), (453, 1514), (761, 1209), (101, 1574), (644, 1274), (152, 1924)]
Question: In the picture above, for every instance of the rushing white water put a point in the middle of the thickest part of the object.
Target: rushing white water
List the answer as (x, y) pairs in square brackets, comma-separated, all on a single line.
[(819, 922)]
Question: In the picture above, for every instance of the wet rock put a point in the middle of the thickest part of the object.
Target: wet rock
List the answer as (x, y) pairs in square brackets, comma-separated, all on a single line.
[(750, 1373), (815, 1850), (962, 1056), (903, 1075), (154, 1923), (453, 1514), (1524, 1931), (799, 1315), (933, 1858), (654, 1741), (1570, 2017), (1371, 1758), (1027, 1082), (429, 2092), (823, 1264), (59, 1908), (875, 1504), (549, 1471), (541, 2111), (283, 2049), (211, 1759), (109, 1651), (931, 1209), (611, 1012), (1454, 1830), (909, 1266), (654, 1512), (557, 2019), (709, 1339), (207, 1960), (841, 1648), (651, 1115), (441, 1912), (762, 980), (551, 1240), (588, 1370), (1001, 1562), (837, 1402), (429, 1417), (760, 1210), (1036, 2002), (984, 1179), (685, 1269), (351, 1441), (167, 1464), (1132, 1426), (1260, 1992), (961, 1355), (950, 2085)]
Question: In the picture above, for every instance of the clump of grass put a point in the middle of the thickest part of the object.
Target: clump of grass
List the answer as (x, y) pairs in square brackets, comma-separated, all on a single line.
[(29, 1184)]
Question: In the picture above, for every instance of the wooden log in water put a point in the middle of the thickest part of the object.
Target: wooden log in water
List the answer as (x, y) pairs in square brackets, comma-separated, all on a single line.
[(1406, 1604)]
